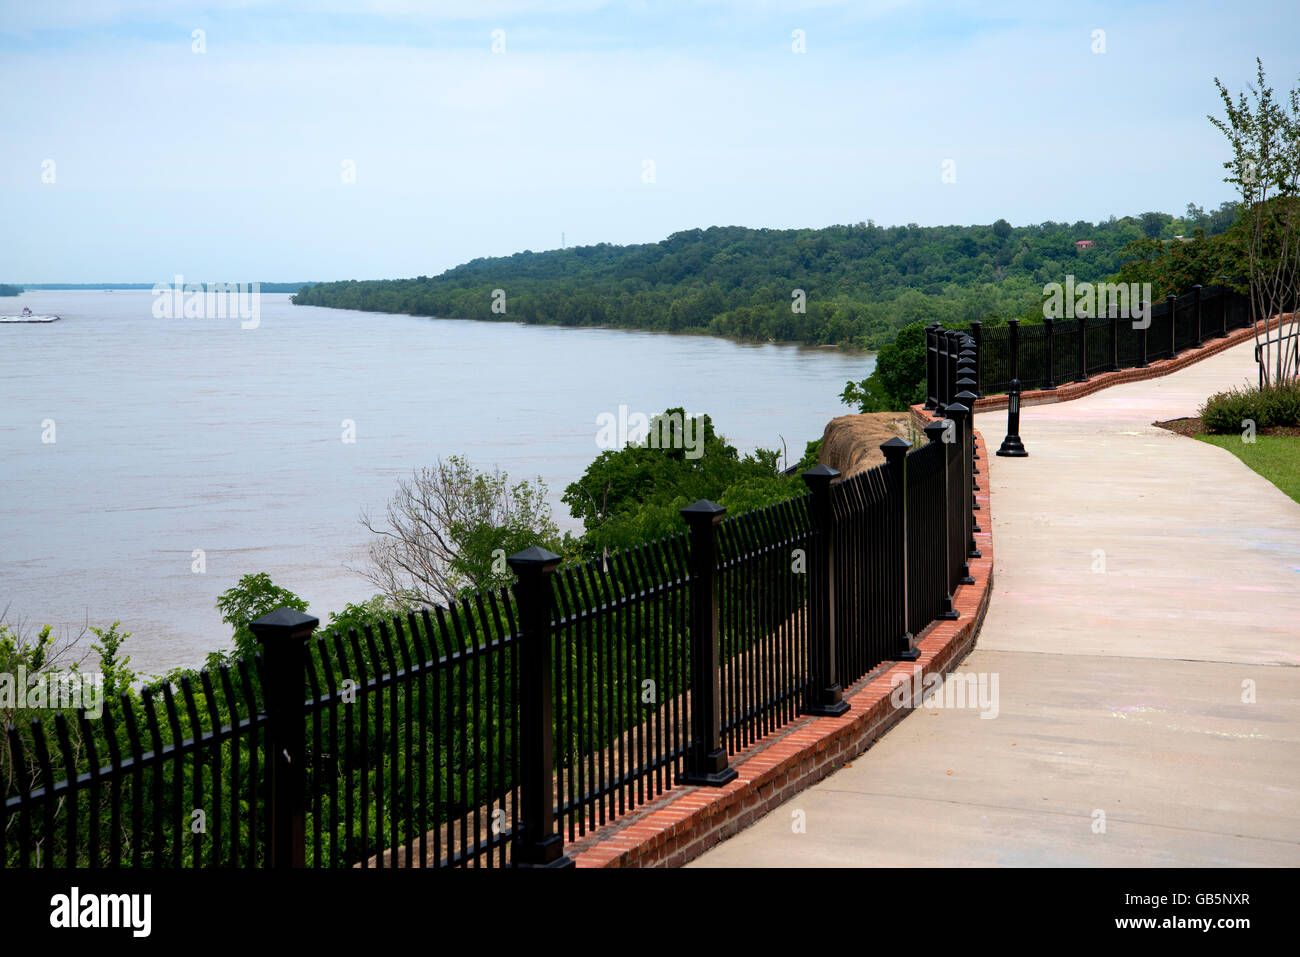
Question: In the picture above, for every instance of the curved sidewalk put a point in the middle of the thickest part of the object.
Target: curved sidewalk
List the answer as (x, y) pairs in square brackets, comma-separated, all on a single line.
[(1145, 632)]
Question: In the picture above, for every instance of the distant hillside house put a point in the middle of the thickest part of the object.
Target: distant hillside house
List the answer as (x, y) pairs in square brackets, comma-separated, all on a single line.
[(1084, 243)]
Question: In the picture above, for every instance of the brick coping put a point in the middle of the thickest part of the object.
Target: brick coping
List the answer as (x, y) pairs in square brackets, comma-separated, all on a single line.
[(1102, 380), (684, 821)]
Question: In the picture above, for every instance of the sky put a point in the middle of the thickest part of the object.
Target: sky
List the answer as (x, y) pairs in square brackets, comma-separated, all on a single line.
[(237, 140)]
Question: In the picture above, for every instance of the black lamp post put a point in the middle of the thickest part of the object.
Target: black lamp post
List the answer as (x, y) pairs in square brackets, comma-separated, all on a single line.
[(1011, 445)]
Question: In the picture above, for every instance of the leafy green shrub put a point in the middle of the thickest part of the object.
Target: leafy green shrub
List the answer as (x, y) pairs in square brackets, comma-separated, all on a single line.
[(1282, 404), (1225, 411), (1271, 406)]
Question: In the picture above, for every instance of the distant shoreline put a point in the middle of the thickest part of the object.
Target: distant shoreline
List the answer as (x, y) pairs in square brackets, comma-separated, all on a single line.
[(840, 347), (833, 346), (291, 287)]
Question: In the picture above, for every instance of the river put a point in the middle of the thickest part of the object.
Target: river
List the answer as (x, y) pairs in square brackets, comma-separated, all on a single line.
[(130, 442)]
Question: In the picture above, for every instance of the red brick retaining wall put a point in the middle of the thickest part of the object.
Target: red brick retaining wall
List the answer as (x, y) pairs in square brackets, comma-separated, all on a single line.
[(686, 821)]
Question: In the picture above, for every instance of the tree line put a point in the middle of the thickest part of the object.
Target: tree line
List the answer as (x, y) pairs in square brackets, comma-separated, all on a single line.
[(848, 285)]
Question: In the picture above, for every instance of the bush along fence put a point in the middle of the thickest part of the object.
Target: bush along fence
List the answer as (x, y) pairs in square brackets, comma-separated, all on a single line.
[(492, 732), (1045, 355)]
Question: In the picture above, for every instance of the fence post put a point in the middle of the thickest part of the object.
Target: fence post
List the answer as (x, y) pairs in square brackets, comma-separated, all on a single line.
[(1013, 334), (966, 369), (961, 416), (1049, 354), (895, 451), (969, 401), (1083, 348), (1114, 338), (940, 369), (1173, 324), (827, 695), (954, 351), (952, 427), (934, 433), (977, 333), (1223, 310), (283, 635), (706, 758), (931, 366), (968, 461), (1142, 356), (966, 396), (536, 842), (967, 359), (1200, 338)]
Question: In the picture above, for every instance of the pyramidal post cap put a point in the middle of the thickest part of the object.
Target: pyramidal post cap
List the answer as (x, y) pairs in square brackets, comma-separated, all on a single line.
[(284, 619), (703, 510), (895, 449), (821, 471), (935, 430), (533, 557)]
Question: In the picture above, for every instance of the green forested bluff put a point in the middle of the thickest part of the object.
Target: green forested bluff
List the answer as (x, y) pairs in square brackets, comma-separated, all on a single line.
[(852, 286)]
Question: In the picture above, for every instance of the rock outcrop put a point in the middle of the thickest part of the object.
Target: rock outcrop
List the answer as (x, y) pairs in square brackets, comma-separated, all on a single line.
[(851, 443)]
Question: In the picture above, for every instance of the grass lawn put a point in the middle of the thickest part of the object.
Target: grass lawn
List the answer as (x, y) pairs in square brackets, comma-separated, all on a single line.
[(1276, 457)]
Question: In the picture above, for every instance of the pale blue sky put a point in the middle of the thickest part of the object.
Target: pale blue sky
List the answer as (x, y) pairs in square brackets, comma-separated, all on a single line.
[(226, 164)]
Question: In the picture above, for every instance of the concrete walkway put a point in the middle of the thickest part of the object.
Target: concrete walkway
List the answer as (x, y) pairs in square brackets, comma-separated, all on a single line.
[(1144, 585)]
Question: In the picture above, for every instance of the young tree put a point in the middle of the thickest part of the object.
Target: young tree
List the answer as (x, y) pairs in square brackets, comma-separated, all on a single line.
[(1265, 167), (899, 377), (449, 529), (252, 597), (633, 495)]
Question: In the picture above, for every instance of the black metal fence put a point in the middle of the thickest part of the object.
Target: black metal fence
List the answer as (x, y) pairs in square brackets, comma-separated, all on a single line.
[(1071, 350), (492, 732)]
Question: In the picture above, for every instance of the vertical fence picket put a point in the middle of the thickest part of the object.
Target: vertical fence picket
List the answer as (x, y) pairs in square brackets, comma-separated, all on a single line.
[(96, 774), (196, 780), (73, 792)]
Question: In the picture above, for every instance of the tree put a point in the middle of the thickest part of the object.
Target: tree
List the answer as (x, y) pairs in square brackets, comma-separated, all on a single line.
[(1265, 167), (899, 377), (114, 666), (1153, 224), (449, 530), (632, 495), (252, 597)]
